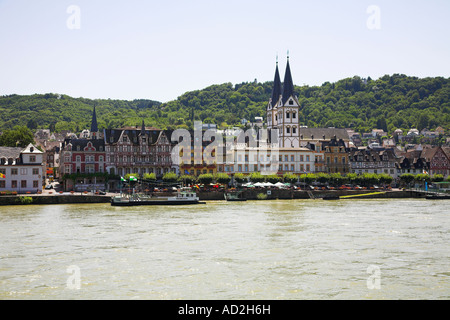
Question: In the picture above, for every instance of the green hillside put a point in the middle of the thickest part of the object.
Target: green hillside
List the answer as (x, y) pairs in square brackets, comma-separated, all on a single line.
[(391, 102)]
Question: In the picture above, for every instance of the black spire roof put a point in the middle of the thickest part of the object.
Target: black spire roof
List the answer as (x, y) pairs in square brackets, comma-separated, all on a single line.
[(276, 91), (94, 126), (143, 128), (288, 85)]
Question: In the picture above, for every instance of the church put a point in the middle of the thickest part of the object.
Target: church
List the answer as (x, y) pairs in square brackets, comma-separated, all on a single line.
[(282, 110)]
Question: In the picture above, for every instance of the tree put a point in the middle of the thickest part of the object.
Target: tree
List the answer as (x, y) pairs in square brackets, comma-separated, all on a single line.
[(19, 136), (205, 178), (290, 178), (187, 179), (149, 176), (273, 178), (170, 177), (240, 177), (407, 178), (256, 177), (437, 178), (222, 178)]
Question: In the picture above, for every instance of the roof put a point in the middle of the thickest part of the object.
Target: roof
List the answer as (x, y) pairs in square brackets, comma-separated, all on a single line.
[(31, 149), (276, 91), (323, 134), (10, 152), (112, 136), (82, 143), (288, 84), (94, 126)]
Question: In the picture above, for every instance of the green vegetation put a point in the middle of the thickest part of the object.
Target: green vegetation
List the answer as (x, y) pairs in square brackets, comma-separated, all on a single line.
[(261, 196), (24, 200), (19, 136), (388, 103)]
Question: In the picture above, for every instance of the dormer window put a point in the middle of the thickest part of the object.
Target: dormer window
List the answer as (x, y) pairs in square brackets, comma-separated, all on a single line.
[(291, 102)]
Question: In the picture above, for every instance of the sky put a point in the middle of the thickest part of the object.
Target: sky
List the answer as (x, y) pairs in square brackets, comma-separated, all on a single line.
[(159, 50)]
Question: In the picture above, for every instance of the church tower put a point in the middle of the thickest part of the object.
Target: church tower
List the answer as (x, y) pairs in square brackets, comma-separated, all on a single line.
[(95, 134), (282, 110)]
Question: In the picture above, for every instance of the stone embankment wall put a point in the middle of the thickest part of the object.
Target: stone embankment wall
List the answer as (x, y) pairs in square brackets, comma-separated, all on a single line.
[(53, 199), (250, 194)]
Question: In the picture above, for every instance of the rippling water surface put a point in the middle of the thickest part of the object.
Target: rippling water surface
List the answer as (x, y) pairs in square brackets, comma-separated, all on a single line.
[(278, 249)]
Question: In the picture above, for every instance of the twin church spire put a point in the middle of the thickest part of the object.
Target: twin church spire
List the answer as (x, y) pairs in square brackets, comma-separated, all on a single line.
[(283, 109), (285, 90)]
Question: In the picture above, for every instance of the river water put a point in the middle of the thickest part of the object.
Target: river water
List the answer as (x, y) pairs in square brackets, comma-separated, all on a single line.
[(277, 249)]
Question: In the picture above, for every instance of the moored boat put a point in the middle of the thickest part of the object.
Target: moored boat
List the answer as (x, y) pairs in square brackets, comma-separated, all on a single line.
[(437, 196), (183, 197)]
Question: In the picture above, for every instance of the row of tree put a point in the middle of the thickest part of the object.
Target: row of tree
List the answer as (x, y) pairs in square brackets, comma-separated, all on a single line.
[(388, 103), (333, 179)]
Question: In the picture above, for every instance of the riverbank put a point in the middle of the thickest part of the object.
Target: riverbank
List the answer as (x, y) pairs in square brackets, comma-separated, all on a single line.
[(249, 194)]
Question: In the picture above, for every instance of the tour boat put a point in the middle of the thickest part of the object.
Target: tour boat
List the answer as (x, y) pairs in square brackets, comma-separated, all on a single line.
[(183, 197)]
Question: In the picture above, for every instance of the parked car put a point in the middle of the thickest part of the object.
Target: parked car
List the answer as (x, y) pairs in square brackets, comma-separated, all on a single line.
[(48, 187)]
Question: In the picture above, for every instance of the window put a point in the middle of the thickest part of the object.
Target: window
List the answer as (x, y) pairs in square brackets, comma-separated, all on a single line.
[(286, 158), (288, 130), (2, 184), (32, 158), (294, 115), (13, 183), (14, 171), (35, 171), (307, 158), (23, 183), (124, 139), (23, 171), (291, 102), (35, 184), (288, 115), (294, 129), (292, 157)]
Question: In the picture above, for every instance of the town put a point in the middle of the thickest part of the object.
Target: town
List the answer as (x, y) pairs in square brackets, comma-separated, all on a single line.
[(99, 160)]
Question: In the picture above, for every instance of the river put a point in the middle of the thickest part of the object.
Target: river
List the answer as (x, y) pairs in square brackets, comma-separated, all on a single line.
[(277, 249)]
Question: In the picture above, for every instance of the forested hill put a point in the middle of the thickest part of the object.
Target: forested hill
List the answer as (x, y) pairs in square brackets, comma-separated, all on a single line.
[(390, 102)]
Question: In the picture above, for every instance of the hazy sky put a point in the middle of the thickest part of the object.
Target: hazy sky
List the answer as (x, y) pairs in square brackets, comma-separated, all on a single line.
[(160, 49)]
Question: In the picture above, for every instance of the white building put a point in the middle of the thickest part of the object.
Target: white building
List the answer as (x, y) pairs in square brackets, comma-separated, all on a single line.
[(22, 169)]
